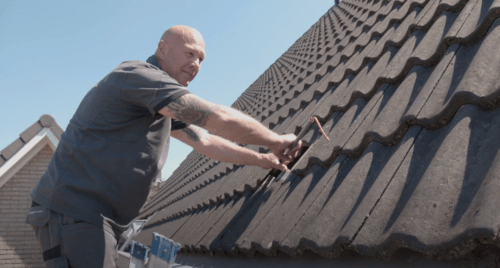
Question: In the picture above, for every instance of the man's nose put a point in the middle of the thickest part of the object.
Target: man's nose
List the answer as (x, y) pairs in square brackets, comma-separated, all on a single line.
[(196, 64)]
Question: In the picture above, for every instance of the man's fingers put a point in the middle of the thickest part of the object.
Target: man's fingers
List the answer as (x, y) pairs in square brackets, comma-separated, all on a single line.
[(291, 154), (294, 152), (272, 161), (278, 165), (281, 167), (285, 157)]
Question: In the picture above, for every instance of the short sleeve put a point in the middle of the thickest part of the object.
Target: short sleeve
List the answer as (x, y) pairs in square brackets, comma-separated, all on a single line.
[(176, 125), (147, 86)]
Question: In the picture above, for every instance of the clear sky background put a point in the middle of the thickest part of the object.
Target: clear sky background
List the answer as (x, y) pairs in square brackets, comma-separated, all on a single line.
[(53, 52)]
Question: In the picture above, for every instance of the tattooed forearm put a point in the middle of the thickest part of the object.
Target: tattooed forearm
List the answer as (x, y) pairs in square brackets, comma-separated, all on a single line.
[(193, 133), (193, 110)]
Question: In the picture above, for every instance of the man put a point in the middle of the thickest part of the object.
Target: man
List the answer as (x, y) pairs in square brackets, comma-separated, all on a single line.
[(116, 143)]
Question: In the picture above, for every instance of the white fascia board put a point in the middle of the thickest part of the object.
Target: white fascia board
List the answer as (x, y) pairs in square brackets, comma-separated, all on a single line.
[(29, 150)]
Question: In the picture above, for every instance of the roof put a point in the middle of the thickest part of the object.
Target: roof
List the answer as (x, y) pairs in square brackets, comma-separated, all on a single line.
[(408, 93), (30, 142)]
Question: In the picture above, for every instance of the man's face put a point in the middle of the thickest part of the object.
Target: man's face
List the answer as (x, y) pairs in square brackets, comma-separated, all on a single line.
[(181, 57)]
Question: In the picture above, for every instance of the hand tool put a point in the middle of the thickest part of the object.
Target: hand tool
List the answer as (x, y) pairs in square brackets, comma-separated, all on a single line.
[(307, 125)]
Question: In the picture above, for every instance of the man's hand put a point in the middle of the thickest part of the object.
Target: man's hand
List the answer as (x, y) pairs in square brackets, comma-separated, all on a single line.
[(285, 141), (223, 150), (230, 124), (268, 161)]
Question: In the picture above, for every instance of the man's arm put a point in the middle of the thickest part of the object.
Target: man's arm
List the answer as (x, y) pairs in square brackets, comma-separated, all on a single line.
[(229, 123), (223, 150)]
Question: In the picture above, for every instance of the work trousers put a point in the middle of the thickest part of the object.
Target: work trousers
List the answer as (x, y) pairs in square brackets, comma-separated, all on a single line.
[(69, 242)]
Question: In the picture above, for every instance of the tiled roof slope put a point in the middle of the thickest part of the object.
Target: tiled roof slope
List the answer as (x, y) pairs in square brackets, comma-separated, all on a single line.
[(45, 121), (408, 92)]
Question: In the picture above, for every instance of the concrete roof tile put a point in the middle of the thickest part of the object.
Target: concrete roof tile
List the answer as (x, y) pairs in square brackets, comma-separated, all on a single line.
[(12, 148), (224, 218), (439, 190), (30, 132), (397, 85), (354, 191)]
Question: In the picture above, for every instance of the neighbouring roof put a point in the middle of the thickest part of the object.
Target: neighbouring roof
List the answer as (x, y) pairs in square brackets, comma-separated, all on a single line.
[(30, 142), (408, 93)]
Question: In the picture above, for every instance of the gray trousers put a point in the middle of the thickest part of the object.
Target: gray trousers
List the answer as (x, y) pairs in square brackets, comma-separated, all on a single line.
[(68, 242)]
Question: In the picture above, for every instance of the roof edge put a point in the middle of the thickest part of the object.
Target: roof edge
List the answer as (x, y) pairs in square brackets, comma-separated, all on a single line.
[(48, 121), (26, 153), (45, 121)]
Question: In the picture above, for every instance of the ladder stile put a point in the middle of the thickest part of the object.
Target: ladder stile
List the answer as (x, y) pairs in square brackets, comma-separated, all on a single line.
[(163, 252), (138, 255)]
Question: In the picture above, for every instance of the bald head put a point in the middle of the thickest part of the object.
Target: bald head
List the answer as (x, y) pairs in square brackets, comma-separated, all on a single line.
[(184, 33), (180, 52)]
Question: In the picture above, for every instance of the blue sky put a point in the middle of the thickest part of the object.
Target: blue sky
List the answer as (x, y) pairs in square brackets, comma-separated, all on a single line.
[(53, 52)]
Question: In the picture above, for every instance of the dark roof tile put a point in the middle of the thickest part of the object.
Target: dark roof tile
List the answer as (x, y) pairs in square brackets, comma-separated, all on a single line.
[(397, 86), (255, 212), (441, 190), (340, 210), (478, 21), (293, 203), (226, 215)]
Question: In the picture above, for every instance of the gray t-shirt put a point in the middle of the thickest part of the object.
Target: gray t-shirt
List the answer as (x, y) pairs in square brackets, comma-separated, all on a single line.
[(114, 146)]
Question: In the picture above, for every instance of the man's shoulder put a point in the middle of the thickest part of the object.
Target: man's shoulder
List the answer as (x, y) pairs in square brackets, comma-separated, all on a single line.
[(143, 70), (135, 64)]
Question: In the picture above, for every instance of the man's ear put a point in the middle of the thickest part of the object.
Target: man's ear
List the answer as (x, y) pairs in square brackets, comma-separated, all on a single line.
[(162, 48)]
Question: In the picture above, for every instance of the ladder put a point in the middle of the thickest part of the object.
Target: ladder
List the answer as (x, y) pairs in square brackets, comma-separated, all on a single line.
[(162, 254)]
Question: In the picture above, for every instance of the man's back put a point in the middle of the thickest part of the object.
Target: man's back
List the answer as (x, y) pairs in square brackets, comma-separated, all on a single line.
[(111, 149)]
